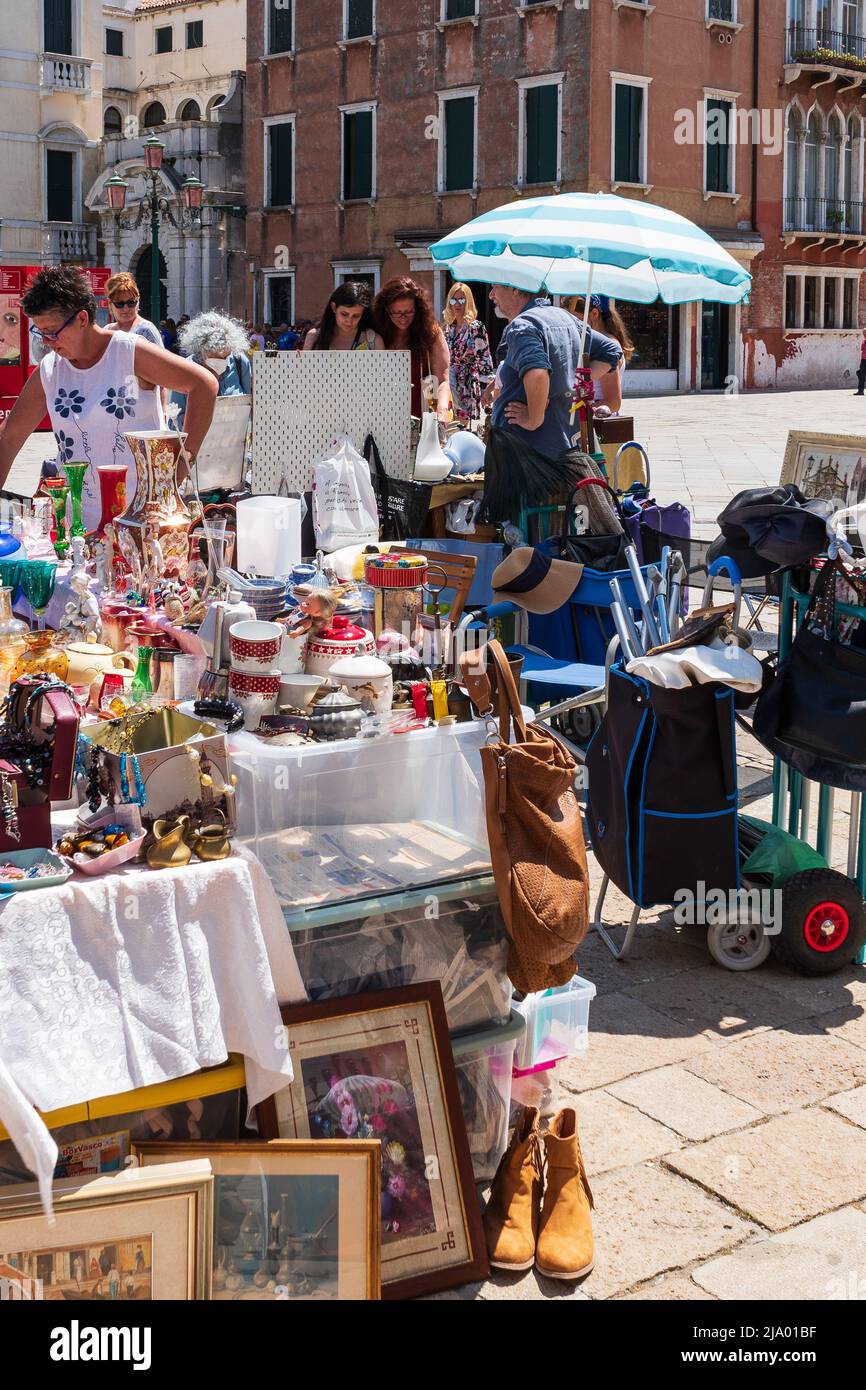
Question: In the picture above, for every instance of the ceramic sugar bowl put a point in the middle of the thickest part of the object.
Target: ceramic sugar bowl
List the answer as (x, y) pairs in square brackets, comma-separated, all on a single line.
[(368, 678), (341, 639), (336, 715)]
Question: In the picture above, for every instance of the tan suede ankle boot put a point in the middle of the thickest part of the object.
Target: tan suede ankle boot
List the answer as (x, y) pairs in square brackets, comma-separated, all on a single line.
[(565, 1247), (511, 1216)]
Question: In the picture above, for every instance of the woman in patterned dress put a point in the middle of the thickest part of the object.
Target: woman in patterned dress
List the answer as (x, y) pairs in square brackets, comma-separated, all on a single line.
[(471, 363)]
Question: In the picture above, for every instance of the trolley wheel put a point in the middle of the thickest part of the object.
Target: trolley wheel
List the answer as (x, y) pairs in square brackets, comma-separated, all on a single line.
[(738, 945), (578, 725), (823, 922)]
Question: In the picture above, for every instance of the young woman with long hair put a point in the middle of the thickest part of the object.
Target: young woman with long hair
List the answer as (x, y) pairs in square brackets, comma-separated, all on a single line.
[(404, 316), (471, 363), (346, 324), (604, 318)]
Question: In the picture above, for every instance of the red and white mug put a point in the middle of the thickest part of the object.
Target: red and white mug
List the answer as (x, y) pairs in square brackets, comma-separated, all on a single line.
[(255, 647), (256, 693)]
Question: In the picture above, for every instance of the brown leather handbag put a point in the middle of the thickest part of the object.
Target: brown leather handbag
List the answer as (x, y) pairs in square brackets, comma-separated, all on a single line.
[(535, 830)]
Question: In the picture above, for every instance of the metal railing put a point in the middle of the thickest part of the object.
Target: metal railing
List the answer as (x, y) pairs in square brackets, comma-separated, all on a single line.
[(65, 74), (71, 241), (823, 215), (839, 48)]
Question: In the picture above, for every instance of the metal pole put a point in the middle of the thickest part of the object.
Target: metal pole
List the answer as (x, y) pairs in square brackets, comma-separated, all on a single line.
[(155, 305)]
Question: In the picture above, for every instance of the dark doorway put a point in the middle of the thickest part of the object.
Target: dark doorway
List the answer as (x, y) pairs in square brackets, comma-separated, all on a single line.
[(142, 279), (715, 324)]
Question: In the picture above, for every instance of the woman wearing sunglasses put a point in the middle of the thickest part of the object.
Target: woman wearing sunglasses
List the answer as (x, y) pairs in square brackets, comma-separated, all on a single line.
[(471, 363), (403, 315), (123, 300), (97, 385)]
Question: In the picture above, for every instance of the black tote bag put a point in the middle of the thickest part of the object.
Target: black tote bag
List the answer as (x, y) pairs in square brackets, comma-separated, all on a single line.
[(813, 715), (403, 505)]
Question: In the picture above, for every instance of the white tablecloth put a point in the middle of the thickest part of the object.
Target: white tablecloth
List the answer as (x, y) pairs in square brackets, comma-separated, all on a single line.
[(138, 977)]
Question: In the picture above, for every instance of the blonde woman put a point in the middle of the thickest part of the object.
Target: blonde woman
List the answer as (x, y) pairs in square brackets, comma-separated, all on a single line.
[(603, 318), (123, 299), (471, 364)]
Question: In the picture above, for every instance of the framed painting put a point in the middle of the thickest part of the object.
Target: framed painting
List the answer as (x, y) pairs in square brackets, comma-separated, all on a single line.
[(292, 1220), (128, 1237), (380, 1066), (827, 465)]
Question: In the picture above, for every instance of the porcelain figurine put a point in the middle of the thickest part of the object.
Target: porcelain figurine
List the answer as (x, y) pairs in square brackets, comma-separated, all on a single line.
[(81, 617)]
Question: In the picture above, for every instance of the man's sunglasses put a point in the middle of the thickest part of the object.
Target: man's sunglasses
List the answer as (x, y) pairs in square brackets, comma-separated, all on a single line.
[(48, 336), (124, 303)]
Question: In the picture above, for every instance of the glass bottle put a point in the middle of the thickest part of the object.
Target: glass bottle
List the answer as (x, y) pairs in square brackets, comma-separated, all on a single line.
[(13, 634), (40, 657), (58, 491), (141, 680)]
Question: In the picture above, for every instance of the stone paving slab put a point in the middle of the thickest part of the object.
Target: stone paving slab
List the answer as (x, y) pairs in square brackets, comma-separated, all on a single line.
[(718, 1003), (823, 1258), (847, 1024), (647, 1221), (671, 1288), (615, 1135), (629, 1037), (685, 1103), (781, 1172), (784, 1070), (818, 994), (851, 1104)]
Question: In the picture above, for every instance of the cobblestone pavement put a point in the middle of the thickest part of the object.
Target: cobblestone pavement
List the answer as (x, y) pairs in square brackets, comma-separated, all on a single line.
[(722, 1115)]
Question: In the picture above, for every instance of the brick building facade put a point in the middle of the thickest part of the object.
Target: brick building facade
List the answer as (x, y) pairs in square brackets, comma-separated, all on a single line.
[(375, 126)]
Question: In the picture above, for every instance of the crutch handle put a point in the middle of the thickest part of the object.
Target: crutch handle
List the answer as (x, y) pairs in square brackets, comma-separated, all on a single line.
[(725, 565)]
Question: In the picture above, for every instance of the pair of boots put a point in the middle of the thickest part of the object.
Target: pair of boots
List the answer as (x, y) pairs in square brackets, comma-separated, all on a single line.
[(553, 1231)]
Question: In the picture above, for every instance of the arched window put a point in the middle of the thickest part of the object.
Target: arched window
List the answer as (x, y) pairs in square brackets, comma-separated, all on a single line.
[(190, 111), (793, 191), (213, 104), (154, 115), (810, 189), (832, 166), (112, 121)]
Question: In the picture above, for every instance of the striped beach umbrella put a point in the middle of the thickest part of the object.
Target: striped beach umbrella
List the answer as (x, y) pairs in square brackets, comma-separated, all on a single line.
[(575, 243)]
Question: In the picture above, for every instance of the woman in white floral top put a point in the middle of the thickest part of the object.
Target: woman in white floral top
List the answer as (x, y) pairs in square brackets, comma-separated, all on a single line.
[(471, 363)]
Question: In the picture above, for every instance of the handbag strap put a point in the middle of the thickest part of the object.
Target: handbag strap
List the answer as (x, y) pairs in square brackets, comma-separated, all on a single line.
[(822, 605), (372, 455), (603, 483), (472, 666)]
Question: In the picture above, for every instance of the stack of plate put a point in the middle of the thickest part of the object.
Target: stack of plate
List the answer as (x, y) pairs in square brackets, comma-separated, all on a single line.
[(267, 596)]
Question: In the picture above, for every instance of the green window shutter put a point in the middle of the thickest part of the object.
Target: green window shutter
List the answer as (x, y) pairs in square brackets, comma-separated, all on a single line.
[(459, 9), (357, 155), (718, 146), (459, 143), (280, 172), (280, 29), (360, 19), (628, 117), (542, 118), (58, 185), (58, 26)]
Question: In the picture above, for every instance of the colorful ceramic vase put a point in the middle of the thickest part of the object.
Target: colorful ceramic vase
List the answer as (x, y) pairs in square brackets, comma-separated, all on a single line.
[(75, 473), (153, 532)]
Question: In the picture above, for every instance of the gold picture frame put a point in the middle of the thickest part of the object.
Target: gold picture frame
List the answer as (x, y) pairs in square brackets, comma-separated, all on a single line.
[(832, 466), (293, 1219), (133, 1236)]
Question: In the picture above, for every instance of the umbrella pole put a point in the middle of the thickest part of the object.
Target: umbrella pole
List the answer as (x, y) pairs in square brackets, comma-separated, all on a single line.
[(583, 326)]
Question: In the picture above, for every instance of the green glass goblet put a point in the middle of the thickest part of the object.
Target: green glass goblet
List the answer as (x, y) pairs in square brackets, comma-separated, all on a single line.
[(37, 585), (75, 472)]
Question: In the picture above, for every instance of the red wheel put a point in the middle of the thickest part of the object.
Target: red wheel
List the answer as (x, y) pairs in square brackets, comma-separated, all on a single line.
[(823, 922), (826, 926)]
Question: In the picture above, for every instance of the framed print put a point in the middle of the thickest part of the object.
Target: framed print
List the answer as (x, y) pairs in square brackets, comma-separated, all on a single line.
[(380, 1066), (293, 1220), (827, 465), (130, 1237)]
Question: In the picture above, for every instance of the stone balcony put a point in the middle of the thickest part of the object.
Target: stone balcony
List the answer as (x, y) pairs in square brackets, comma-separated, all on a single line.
[(62, 73), (70, 241)]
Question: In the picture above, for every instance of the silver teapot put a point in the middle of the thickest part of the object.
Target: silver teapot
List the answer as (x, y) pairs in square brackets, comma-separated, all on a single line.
[(336, 715)]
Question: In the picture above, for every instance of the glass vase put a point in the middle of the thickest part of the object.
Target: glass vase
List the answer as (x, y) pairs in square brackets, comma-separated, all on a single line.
[(112, 493), (141, 680), (41, 658), (75, 473), (13, 632), (58, 491)]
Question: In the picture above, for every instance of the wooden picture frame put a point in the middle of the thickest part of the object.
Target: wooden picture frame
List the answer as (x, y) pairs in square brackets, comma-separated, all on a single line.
[(330, 1187), (133, 1236), (826, 465), (381, 1064)]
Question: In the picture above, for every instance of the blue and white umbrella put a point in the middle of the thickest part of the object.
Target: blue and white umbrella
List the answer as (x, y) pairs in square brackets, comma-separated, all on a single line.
[(575, 243)]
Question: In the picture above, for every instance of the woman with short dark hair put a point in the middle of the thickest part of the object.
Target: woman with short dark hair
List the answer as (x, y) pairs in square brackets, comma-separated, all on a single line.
[(404, 316), (96, 385)]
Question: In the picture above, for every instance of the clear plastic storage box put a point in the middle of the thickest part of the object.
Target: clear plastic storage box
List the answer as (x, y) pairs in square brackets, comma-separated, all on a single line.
[(452, 933), (484, 1060), (557, 1025), (361, 817)]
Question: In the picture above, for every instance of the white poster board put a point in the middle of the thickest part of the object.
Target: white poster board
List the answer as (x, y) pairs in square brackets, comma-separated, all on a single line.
[(220, 458), (302, 399)]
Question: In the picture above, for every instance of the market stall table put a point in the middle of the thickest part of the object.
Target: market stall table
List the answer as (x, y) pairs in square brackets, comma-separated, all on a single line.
[(138, 977)]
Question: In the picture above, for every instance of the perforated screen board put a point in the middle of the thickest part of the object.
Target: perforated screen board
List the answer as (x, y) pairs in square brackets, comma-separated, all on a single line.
[(302, 399)]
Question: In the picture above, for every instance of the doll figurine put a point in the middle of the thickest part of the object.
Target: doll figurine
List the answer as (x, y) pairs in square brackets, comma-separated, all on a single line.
[(81, 616), (314, 612)]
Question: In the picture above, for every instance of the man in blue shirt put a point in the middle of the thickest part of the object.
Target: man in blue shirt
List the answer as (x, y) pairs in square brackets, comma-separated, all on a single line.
[(538, 359)]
